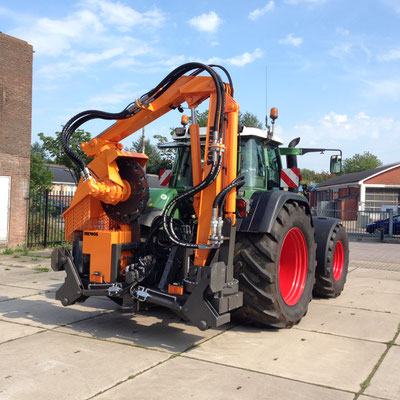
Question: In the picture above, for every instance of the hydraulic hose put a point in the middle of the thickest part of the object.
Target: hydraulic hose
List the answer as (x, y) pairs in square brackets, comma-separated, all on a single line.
[(74, 123)]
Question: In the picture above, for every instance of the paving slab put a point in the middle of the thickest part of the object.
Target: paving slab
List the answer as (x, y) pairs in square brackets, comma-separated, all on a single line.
[(365, 298), (385, 383), (373, 284), (52, 366), (12, 292), (45, 311), (10, 331), (156, 329), (328, 360), (372, 264), (376, 274), (193, 379), (375, 251), (372, 398), (398, 340), (29, 261), (27, 278), (343, 321)]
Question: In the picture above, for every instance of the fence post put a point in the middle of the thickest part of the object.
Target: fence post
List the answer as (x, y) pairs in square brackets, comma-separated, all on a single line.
[(46, 215), (390, 222)]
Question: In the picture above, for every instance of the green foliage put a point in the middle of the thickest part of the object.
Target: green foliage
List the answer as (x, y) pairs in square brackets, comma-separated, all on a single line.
[(38, 151), (202, 118), (250, 120), (7, 251), (245, 119), (151, 150), (39, 269), (167, 155), (41, 177), (316, 177), (52, 146), (361, 162)]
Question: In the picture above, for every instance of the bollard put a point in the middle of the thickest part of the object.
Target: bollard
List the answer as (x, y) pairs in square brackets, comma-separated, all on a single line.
[(390, 230), (382, 233)]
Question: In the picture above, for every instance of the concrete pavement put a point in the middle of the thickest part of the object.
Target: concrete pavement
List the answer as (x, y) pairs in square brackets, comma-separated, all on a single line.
[(345, 348)]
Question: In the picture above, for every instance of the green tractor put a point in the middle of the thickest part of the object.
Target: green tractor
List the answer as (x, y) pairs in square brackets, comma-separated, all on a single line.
[(229, 235), (282, 255)]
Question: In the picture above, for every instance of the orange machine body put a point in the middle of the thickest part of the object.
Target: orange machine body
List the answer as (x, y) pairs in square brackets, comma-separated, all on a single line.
[(98, 244), (86, 210)]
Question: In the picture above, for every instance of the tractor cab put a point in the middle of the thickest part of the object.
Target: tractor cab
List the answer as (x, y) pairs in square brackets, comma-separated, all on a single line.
[(258, 158)]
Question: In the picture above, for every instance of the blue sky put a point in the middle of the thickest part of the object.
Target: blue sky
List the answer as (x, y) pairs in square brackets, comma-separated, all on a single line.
[(333, 65)]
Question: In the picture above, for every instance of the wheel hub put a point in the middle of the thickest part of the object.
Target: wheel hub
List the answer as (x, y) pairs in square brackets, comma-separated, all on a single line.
[(293, 266), (338, 260)]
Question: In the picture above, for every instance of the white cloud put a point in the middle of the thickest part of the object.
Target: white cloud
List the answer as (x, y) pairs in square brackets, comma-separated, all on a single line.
[(259, 12), (291, 40), (383, 89), (238, 61), (122, 16), (353, 47), (206, 22), (342, 31), (393, 4), (52, 37), (352, 133), (391, 55), (120, 94), (91, 26), (334, 128)]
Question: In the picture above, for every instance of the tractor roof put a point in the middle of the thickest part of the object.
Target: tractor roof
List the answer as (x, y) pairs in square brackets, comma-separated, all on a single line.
[(244, 132)]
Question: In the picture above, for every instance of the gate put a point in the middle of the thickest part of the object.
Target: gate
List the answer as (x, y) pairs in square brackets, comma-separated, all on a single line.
[(45, 221)]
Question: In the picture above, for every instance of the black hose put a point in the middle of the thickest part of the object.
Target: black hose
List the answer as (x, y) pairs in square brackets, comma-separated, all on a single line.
[(74, 123), (219, 200), (227, 75)]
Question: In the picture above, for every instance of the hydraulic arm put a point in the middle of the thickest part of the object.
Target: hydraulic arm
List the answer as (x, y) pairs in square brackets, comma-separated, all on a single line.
[(102, 220)]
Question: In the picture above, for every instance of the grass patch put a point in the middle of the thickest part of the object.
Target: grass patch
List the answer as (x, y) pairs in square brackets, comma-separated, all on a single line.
[(35, 258), (16, 256), (7, 251), (23, 250), (367, 382), (41, 269)]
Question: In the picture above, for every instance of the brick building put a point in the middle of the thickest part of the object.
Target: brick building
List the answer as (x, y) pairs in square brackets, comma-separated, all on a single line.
[(15, 137), (373, 190)]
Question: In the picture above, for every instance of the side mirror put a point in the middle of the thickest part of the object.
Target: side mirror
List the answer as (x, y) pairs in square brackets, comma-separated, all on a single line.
[(336, 164)]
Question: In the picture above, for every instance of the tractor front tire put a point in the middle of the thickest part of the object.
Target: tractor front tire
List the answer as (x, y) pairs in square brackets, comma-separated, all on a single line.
[(276, 271), (332, 269)]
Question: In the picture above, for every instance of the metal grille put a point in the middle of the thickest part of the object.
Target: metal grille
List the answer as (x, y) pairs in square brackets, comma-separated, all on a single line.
[(87, 215), (45, 222)]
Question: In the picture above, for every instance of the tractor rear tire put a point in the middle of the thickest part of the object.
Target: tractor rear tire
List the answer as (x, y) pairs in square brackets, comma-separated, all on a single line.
[(276, 271), (331, 272)]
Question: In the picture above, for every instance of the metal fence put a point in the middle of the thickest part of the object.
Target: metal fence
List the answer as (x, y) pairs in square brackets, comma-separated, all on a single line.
[(365, 223), (45, 221)]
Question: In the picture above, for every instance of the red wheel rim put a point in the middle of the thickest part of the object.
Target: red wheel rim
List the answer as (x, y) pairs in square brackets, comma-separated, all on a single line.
[(293, 265), (338, 261)]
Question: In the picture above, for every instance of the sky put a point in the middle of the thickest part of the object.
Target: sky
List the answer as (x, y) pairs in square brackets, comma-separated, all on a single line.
[(331, 67)]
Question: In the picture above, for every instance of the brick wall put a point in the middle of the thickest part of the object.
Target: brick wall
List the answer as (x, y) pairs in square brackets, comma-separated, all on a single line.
[(391, 177), (15, 128)]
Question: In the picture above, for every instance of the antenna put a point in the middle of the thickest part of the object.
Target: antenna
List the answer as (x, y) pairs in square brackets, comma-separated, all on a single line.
[(266, 95)]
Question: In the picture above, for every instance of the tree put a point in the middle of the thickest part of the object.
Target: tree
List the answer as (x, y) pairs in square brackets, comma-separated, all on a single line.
[(41, 177), (316, 177), (245, 119), (250, 120), (167, 155), (38, 151), (154, 163), (361, 162), (53, 147)]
